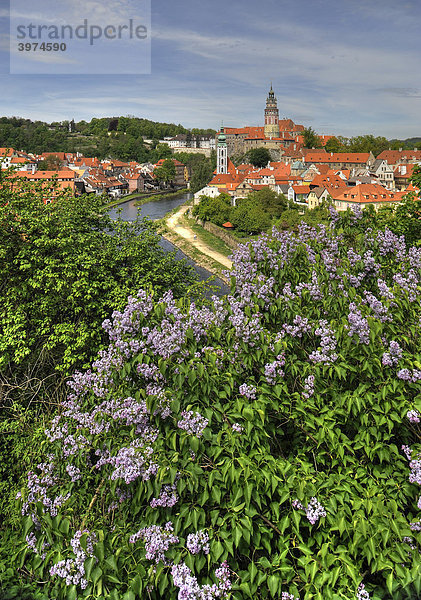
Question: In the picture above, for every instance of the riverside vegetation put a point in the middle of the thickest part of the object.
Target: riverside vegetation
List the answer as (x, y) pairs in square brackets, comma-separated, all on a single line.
[(266, 444)]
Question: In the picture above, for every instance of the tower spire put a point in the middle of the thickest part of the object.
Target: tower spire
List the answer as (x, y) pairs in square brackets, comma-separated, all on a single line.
[(271, 115), (222, 153)]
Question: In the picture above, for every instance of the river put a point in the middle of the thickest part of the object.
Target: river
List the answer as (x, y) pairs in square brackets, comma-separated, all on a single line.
[(157, 210)]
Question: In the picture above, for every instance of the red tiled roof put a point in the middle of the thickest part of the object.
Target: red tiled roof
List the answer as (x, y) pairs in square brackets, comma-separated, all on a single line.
[(399, 170), (366, 193), (6, 152), (301, 189), (60, 155), (337, 157)]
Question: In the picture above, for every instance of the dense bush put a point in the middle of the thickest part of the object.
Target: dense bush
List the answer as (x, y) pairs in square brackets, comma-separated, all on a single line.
[(216, 210), (64, 267), (277, 430)]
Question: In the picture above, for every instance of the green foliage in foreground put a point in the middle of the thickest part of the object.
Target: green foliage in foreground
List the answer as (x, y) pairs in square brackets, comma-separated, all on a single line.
[(64, 267), (292, 396)]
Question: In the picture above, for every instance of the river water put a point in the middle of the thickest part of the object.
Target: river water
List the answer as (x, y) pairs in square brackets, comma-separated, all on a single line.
[(157, 210)]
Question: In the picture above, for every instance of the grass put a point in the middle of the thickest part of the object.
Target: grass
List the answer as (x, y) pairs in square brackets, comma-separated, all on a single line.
[(211, 240), (202, 260)]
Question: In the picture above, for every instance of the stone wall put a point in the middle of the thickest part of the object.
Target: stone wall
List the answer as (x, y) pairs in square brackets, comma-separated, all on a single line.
[(221, 233)]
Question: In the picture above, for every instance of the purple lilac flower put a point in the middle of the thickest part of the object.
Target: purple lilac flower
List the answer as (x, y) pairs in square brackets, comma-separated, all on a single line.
[(334, 216), (157, 541), (314, 511), (391, 358), (407, 450), (356, 213), (380, 311), (300, 325), (287, 596), (389, 243), (247, 329), (73, 472), (308, 387), (326, 354), (358, 325), (149, 371), (223, 574), (408, 284), (362, 593), (72, 570), (384, 289), (413, 416), (237, 428), (198, 542), (415, 474), (192, 422), (133, 462), (31, 541), (409, 541), (407, 375), (274, 370), (190, 588), (168, 497), (249, 391)]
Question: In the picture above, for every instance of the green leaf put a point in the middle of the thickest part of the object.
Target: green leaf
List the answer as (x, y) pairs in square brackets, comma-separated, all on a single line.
[(99, 551), (71, 593), (273, 583)]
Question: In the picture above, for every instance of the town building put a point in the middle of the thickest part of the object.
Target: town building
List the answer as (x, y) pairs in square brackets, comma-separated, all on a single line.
[(276, 134)]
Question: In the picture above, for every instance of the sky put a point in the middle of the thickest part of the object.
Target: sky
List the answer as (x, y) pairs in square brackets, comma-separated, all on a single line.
[(343, 67)]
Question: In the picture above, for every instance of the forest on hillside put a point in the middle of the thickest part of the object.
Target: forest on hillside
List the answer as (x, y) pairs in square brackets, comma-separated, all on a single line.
[(113, 137)]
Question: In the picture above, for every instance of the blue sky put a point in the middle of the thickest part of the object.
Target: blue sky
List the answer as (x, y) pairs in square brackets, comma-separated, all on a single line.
[(343, 67)]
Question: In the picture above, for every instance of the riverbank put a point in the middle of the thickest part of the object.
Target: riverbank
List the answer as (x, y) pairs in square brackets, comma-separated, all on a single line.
[(180, 234), (141, 199), (160, 196)]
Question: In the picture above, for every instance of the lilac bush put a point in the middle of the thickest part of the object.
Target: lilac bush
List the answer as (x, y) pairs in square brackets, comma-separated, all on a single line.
[(263, 445)]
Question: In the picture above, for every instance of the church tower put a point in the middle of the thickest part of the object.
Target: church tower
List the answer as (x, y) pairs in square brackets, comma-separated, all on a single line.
[(271, 115), (222, 154)]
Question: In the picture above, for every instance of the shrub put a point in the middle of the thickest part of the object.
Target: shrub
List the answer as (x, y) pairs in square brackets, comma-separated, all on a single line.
[(276, 432)]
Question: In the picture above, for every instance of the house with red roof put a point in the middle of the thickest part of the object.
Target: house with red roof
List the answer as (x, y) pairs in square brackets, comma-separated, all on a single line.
[(402, 175), (6, 155), (339, 160), (364, 194), (398, 157)]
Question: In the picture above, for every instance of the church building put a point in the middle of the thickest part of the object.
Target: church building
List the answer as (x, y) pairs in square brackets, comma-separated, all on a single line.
[(275, 134)]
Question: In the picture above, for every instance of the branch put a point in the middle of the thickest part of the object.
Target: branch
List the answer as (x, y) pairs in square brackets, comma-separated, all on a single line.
[(92, 502)]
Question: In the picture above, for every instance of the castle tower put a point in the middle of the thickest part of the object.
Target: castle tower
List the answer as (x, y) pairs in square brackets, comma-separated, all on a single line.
[(222, 154), (271, 115)]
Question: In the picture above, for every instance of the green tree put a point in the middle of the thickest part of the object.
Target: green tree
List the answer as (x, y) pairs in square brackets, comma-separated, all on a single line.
[(249, 217), (271, 202), (334, 145), (311, 139), (259, 157), (216, 210), (202, 173), (50, 163), (64, 267)]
